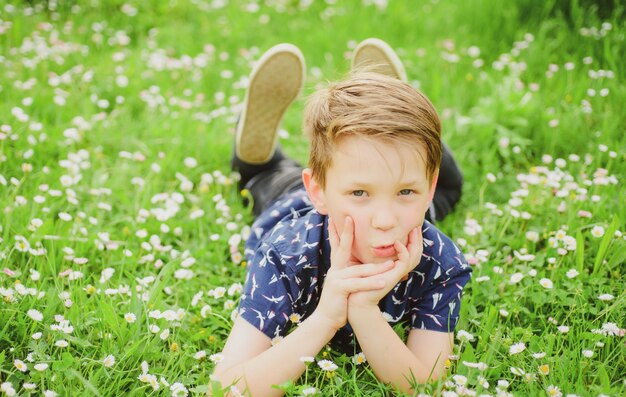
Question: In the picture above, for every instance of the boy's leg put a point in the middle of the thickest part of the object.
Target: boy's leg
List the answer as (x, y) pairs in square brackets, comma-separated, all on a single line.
[(275, 82), (449, 187), (382, 58)]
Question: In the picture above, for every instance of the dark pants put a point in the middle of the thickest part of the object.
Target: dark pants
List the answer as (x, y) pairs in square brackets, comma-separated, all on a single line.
[(267, 182)]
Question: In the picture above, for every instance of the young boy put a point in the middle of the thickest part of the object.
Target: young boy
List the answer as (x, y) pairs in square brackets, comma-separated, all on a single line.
[(341, 251)]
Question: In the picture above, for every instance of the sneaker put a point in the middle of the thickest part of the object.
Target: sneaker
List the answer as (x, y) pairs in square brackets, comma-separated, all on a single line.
[(380, 57), (275, 82)]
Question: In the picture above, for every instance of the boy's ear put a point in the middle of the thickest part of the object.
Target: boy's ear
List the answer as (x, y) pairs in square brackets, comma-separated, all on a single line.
[(315, 191), (433, 185)]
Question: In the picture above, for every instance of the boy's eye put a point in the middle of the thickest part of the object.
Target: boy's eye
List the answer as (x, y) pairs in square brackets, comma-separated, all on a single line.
[(358, 193), (405, 192)]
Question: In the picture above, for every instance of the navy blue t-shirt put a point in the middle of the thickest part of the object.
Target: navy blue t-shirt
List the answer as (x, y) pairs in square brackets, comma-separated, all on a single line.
[(288, 254)]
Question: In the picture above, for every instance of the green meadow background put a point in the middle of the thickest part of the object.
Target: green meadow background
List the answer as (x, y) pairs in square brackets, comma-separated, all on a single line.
[(121, 227)]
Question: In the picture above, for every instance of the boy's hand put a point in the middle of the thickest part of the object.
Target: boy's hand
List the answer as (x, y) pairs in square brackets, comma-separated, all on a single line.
[(408, 258), (347, 276)]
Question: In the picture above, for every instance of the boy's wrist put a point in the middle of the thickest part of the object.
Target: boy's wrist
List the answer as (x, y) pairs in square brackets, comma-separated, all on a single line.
[(323, 322), (360, 310), (362, 301)]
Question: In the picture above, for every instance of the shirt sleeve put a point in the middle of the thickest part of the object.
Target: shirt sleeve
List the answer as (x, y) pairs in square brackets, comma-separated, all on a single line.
[(266, 300), (438, 307)]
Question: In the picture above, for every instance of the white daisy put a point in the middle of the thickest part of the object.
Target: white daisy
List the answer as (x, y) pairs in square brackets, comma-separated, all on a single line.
[(20, 365), (327, 365), (35, 314), (517, 348), (108, 361), (546, 283)]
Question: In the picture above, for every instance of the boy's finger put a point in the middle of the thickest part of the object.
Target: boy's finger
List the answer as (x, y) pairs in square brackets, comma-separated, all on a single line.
[(416, 244), (333, 237), (403, 252), (362, 284), (366, 270), (341, 247), (345, 242), (414, 247)]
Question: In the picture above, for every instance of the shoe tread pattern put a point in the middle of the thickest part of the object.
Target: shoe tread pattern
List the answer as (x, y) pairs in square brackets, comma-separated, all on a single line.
[(272, 89)]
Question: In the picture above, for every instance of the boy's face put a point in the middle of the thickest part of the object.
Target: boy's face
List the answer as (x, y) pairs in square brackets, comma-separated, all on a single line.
[(382, 187)]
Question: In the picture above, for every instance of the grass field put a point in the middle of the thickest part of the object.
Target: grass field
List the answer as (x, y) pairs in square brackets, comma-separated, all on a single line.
[(121, 223)]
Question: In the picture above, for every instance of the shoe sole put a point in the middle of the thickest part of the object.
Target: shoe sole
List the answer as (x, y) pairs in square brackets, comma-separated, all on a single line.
[(275, 82), (377, 56)]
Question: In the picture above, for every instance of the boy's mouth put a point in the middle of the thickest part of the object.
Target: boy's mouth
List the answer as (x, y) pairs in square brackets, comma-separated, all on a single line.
[(384, 251)]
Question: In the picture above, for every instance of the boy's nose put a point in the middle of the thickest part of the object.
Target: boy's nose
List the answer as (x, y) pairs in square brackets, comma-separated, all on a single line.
[(383, 219)]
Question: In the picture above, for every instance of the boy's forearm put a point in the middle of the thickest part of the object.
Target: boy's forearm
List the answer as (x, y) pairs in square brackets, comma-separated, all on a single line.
[(390, 359), (280, 363)]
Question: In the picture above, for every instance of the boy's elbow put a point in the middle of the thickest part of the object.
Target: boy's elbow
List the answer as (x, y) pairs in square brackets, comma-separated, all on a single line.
[(220, 379), (228, 381), (438, 373), (218, 373), (215, 382), (412, 382)]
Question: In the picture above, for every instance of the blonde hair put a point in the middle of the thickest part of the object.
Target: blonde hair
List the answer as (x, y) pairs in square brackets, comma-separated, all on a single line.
[(375, 106)]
